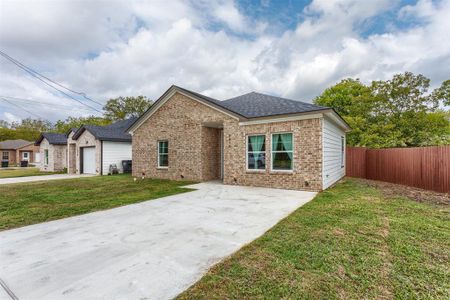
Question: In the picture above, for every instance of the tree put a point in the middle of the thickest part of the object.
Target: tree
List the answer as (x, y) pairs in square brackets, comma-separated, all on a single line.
[(443, 93), (27, 129), (393, 113), (126, 107), (63, 126)]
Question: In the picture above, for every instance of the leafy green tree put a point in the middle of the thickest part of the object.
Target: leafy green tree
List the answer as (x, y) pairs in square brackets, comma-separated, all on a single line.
[(126, 107), (393, 113), (63, 126), (27, 129), (443, 93)]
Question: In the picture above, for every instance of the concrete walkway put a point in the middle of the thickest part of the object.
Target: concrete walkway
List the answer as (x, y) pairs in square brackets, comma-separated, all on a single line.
[(150, 250), (40, 178)]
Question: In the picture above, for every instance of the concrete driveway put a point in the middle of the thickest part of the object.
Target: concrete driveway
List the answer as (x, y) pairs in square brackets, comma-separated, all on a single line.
[(41, 178), (151, 250)]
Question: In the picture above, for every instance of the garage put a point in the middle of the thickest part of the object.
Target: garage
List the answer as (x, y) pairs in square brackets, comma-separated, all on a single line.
[(88, 159)]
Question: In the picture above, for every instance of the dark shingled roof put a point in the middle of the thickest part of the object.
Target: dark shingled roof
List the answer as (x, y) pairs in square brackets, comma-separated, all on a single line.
[(14, 144), (254, 105), (115, 132), (53, 138), (251, 105)]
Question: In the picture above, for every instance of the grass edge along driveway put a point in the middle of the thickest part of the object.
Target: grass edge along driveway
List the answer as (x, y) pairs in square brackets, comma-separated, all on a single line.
[(24, 172), (350, 242), (36, 202)]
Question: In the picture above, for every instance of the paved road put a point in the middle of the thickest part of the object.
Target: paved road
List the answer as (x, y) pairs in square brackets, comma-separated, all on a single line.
[(40, 178), (150, 250)]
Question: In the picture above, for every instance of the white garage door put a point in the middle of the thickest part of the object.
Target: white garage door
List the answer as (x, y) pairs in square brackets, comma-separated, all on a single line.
[(89, 160)]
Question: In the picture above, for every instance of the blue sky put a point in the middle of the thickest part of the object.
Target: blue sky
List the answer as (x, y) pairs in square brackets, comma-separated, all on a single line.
[(220, 48)]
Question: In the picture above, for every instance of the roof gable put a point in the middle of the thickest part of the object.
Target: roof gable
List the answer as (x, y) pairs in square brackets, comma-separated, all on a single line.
[(210, 102), (115, 132), (52, 138)]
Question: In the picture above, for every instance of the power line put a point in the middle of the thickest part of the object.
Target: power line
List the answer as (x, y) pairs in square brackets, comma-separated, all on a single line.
[(45, 103), (43, 76), (12, 103), (45, 82)]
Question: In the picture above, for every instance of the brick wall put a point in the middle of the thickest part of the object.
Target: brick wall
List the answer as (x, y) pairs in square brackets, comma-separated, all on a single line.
[(194, 147), (57, 159), (85, 140)]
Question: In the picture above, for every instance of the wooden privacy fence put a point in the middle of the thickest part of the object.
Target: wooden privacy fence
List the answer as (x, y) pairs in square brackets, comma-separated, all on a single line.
[(423, 167)]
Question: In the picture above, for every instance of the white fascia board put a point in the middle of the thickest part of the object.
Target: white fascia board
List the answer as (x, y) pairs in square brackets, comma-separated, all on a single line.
[(335, 118)]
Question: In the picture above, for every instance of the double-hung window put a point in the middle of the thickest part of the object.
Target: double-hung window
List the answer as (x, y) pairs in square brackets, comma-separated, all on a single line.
[(5, 155), (256, 152), (46, 156), (163, 154), (282, 152)]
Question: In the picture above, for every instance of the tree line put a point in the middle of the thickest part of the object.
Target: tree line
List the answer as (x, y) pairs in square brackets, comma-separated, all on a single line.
[(115, 109), (399, 112)]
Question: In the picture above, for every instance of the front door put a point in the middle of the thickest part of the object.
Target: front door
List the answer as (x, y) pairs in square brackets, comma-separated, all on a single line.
[(25, 156)]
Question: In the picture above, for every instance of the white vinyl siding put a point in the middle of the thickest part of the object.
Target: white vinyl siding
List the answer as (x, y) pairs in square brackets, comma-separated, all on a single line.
[(114, 153), (333, 154)]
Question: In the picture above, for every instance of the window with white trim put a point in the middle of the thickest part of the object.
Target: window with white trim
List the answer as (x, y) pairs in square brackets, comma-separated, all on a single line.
[(163, 154), (342, 151), (5, 155), (282, 152), (256, 152)]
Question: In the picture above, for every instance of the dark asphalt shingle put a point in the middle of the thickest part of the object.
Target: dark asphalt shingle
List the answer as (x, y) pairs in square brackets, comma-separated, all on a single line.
[(114, 132), (54, 138), (253, 105)]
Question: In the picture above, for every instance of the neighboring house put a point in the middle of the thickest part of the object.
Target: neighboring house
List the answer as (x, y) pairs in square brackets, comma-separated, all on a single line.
[(253, 139), (53, 150), (92, 149), (15, 151)]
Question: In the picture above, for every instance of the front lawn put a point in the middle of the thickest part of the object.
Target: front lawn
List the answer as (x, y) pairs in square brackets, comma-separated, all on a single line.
[(22, 172), (30, 203), (351, 242)]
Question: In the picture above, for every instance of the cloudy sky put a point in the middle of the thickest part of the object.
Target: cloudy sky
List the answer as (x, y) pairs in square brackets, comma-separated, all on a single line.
[(221, 48)]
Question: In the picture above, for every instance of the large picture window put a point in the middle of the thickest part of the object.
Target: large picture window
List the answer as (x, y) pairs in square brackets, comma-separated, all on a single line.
[(256, 152), (163, 154), (282, 152)]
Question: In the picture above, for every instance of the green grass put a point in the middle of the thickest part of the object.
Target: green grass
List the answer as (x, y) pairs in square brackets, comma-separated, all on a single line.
[(10, 173), (350, 242), (30, 203)]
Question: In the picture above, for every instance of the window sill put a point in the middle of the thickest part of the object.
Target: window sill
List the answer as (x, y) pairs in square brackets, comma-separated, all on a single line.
[(255, 171), (162, 168), (283, 172)]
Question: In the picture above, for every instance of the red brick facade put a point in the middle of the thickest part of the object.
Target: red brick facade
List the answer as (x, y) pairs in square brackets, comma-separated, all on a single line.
[(194, 132)]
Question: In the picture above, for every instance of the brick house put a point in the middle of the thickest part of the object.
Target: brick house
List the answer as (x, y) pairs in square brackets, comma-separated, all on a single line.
[(93, 149), (14, 151), (53, 151), (253, 139)]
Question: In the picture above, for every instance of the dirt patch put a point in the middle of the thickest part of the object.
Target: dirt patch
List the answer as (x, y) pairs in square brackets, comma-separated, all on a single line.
[(416, 194)]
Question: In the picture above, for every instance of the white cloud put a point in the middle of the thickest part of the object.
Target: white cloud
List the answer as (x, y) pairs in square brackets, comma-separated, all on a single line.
[(143, 47), (10, 118)]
